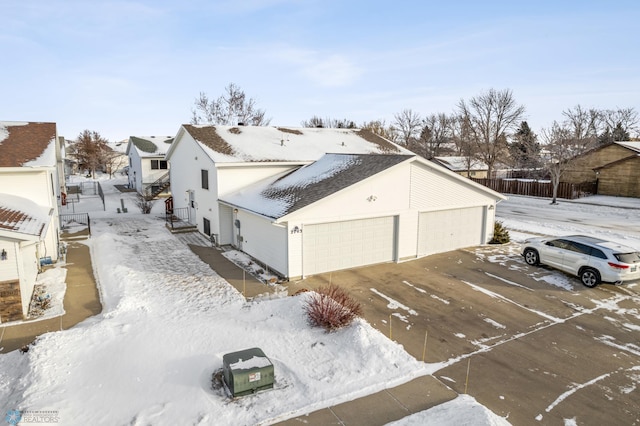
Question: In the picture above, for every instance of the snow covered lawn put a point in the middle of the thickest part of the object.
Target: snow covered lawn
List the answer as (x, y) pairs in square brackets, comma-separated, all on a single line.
[(167, 322)]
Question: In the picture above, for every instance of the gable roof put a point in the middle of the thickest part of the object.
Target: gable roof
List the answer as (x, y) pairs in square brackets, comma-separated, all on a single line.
[(20, 215), (150, 146), (310, 183), (459, 164), (233, 144), (617, 162), (27, 144), (632, 145)]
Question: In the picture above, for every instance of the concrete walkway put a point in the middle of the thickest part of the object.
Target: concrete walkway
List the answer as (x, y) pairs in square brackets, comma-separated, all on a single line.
[(382, 407), (244, 282), (81, 300)]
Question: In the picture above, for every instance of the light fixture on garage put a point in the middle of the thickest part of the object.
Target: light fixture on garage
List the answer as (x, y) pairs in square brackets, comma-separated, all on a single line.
[(371, 198)]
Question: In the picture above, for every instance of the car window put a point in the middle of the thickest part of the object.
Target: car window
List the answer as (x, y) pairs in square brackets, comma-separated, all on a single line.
[(628, 257), (580, 248), (557, 243), (598, 253)]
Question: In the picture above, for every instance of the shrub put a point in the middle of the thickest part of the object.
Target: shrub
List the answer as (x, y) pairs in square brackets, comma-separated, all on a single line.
[(143, 204), (332, 308), (500, 234)]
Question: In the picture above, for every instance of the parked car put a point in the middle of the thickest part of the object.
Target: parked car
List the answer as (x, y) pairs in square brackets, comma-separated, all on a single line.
[(591, 259)]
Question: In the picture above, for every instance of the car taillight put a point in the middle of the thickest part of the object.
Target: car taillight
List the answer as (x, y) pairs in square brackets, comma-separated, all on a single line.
[(618, 266)]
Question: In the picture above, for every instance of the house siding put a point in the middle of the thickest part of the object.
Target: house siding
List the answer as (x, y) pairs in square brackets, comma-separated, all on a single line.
[(264, 241), (135, 170), (28, 273), (622, 179), (187, 161), (9, 267), (581, 168), (40, 186)]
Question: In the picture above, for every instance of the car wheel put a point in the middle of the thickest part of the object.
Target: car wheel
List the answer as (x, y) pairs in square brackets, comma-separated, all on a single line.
[(590, 277), (531, 256)]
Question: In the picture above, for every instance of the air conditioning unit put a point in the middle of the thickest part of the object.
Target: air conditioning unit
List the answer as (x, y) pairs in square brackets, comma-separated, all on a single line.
[(246, 372)]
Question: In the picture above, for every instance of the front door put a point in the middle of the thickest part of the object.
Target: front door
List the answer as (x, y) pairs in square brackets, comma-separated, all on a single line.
[(192, 207)]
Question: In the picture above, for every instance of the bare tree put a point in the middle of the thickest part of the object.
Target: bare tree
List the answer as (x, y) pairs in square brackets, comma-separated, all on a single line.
[(490, 117), (229, 109), (463, 139), (328, 122), (408, 125), (560, 148), (583, 125), (113, 161), (619, 124), (90, 150), (436, 133), (380, 128)]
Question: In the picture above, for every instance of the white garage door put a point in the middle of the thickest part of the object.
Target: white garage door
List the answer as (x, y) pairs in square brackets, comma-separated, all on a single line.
[(340, 245), (450, 230)]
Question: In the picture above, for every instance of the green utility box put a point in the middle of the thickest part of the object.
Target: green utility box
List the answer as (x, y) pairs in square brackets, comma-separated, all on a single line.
[(247, 371)]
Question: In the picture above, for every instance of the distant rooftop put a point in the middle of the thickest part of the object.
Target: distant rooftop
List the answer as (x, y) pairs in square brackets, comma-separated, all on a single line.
[(27, 144), (262, 143), (151, 145)]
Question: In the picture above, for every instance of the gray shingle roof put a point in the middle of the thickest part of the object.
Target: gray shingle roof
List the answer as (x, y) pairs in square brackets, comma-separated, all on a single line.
[(309, 184)]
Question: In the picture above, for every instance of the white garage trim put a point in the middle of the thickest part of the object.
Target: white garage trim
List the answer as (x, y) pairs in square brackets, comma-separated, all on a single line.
[(446, 230), (348, 244)]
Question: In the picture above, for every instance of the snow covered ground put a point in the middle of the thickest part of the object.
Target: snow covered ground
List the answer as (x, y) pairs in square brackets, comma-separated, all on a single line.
[(168, 320)]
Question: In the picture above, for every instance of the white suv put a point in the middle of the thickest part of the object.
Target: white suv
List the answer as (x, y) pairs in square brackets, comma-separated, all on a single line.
[(591, 259)]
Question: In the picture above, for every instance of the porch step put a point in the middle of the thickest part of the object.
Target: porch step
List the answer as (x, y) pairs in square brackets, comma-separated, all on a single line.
[(181, 229)]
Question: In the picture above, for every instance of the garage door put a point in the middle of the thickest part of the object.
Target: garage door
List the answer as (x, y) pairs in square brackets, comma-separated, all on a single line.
[(450, 230), (340, 245)]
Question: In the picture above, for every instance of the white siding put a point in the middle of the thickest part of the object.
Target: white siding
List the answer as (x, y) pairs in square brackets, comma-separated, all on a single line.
[(384, 195), (187, 160), (135, 169), (348, 244), (40, 186), (432, 189), (9, 267), (232, 178), (264, 241), (28, 274)]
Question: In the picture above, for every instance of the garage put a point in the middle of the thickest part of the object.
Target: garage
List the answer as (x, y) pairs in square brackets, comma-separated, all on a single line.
[(446, 230), (348, 244)]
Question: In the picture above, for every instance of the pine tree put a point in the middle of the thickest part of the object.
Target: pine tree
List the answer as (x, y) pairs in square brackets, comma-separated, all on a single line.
[(525, 149)]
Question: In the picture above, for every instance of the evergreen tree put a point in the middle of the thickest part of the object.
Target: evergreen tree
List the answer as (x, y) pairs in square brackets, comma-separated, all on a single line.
[(525, 149)]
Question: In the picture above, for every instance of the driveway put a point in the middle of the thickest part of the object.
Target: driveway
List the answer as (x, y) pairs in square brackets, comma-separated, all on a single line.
[(539, 347)]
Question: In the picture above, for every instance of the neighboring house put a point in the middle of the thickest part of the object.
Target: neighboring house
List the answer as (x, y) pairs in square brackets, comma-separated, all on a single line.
[(31, 182), (117, 160), (464, 166), (614, 166), (148, 169), (275, 194)]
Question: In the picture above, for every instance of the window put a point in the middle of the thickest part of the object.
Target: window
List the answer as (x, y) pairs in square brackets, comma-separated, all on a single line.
[(158, 165), (206, 225), (205, 178)]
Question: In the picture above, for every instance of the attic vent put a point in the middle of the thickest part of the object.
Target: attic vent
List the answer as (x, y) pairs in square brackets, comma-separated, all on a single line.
[(240, 123)]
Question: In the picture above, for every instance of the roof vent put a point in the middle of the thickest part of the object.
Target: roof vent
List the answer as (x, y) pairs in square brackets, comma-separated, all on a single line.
[(240, 123)]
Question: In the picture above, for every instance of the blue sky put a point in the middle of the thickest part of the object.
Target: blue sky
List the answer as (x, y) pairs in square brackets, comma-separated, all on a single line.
[(135, 67)]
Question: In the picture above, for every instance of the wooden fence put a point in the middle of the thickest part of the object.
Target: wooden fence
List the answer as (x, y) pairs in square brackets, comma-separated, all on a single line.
[(536, 188)]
